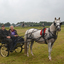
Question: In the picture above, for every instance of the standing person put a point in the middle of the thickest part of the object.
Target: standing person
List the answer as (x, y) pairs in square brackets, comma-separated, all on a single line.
[(23, 25), (5, 37), (43, 25)]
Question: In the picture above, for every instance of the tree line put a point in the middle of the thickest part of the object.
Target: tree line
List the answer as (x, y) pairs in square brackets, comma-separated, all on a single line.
[(29, 23)]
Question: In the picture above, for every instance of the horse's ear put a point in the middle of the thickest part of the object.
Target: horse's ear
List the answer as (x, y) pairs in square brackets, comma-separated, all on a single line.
[(59, 18), (61, 23), (55, 18)]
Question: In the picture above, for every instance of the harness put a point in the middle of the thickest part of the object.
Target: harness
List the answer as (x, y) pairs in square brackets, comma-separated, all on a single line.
[(43, 34), (30, 36), (50, 33), (53, 35)]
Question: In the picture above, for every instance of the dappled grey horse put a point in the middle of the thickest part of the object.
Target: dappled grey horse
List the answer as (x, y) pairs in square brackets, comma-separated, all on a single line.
[(49, 38)]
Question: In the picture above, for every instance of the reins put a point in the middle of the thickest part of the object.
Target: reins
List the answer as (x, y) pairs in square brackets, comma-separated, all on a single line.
[(36, 39), (30, 37)]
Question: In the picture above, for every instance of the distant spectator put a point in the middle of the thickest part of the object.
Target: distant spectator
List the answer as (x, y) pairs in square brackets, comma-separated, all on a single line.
[(43, 25), (23, 25)]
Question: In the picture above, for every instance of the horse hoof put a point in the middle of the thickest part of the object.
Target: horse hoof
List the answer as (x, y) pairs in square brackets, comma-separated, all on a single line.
[(50, 58), (27, 55), (32, 55)]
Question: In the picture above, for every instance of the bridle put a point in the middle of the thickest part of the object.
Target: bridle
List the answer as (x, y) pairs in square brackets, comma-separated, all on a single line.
[(56, 32), (57, 25)]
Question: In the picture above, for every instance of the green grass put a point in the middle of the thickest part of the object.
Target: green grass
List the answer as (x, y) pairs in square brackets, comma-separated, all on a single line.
[(40, 51)]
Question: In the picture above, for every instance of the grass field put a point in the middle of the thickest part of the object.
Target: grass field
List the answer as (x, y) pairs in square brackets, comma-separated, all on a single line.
[(40, 52)]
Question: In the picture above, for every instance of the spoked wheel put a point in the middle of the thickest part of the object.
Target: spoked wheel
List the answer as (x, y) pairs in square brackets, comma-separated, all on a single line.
[(4, 51), (18, 49)]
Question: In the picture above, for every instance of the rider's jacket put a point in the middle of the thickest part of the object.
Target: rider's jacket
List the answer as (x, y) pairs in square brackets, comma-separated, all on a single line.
[(4, 33), (12, 33)]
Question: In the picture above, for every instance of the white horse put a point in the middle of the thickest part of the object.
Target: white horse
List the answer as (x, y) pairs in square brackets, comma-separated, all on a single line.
[(49, 38)]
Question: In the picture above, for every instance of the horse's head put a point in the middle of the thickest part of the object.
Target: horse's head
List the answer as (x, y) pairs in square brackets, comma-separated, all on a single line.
[(57, 24)]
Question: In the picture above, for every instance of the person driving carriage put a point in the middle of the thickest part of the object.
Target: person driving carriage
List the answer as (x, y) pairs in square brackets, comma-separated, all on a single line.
[(14, 35), (5, 37)]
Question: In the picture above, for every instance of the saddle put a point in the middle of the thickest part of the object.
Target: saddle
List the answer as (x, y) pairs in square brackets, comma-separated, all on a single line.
[(42, 33)]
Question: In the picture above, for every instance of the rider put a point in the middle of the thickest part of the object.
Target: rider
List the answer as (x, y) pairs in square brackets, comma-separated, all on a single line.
[(14, 35), (5, 37)]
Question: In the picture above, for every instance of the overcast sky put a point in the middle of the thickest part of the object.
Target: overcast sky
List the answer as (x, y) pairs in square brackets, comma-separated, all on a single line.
[(14, 11)]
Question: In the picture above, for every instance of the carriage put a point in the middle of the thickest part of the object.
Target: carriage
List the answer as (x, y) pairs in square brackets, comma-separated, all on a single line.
[(5, 49)]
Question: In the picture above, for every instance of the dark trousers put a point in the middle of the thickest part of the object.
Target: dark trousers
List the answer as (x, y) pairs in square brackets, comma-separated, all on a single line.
[(14, 39), (9, 42)]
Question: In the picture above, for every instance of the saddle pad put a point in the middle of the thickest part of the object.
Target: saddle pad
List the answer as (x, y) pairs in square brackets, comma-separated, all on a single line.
[(42, 31)]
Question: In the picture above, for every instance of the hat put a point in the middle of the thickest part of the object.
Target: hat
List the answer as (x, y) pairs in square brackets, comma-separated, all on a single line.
[(3, 25)]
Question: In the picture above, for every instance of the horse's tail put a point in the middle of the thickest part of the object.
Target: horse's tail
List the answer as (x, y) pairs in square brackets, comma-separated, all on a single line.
[(25, 39), (25, 44)]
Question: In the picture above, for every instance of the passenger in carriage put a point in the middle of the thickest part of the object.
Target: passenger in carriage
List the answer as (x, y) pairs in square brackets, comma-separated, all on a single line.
[(5, 37), (14, 35)]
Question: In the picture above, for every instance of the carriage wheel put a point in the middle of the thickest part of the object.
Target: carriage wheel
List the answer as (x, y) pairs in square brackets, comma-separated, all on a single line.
[(4, 51), (18, 49)]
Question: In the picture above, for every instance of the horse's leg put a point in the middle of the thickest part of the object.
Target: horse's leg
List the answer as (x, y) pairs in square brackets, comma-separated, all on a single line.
[(31, 47), (25, 48), (28, 48), (52, 44), (49, 50)]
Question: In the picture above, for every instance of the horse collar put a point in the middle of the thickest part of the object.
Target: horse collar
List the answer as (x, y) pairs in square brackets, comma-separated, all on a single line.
[(53, 35)]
